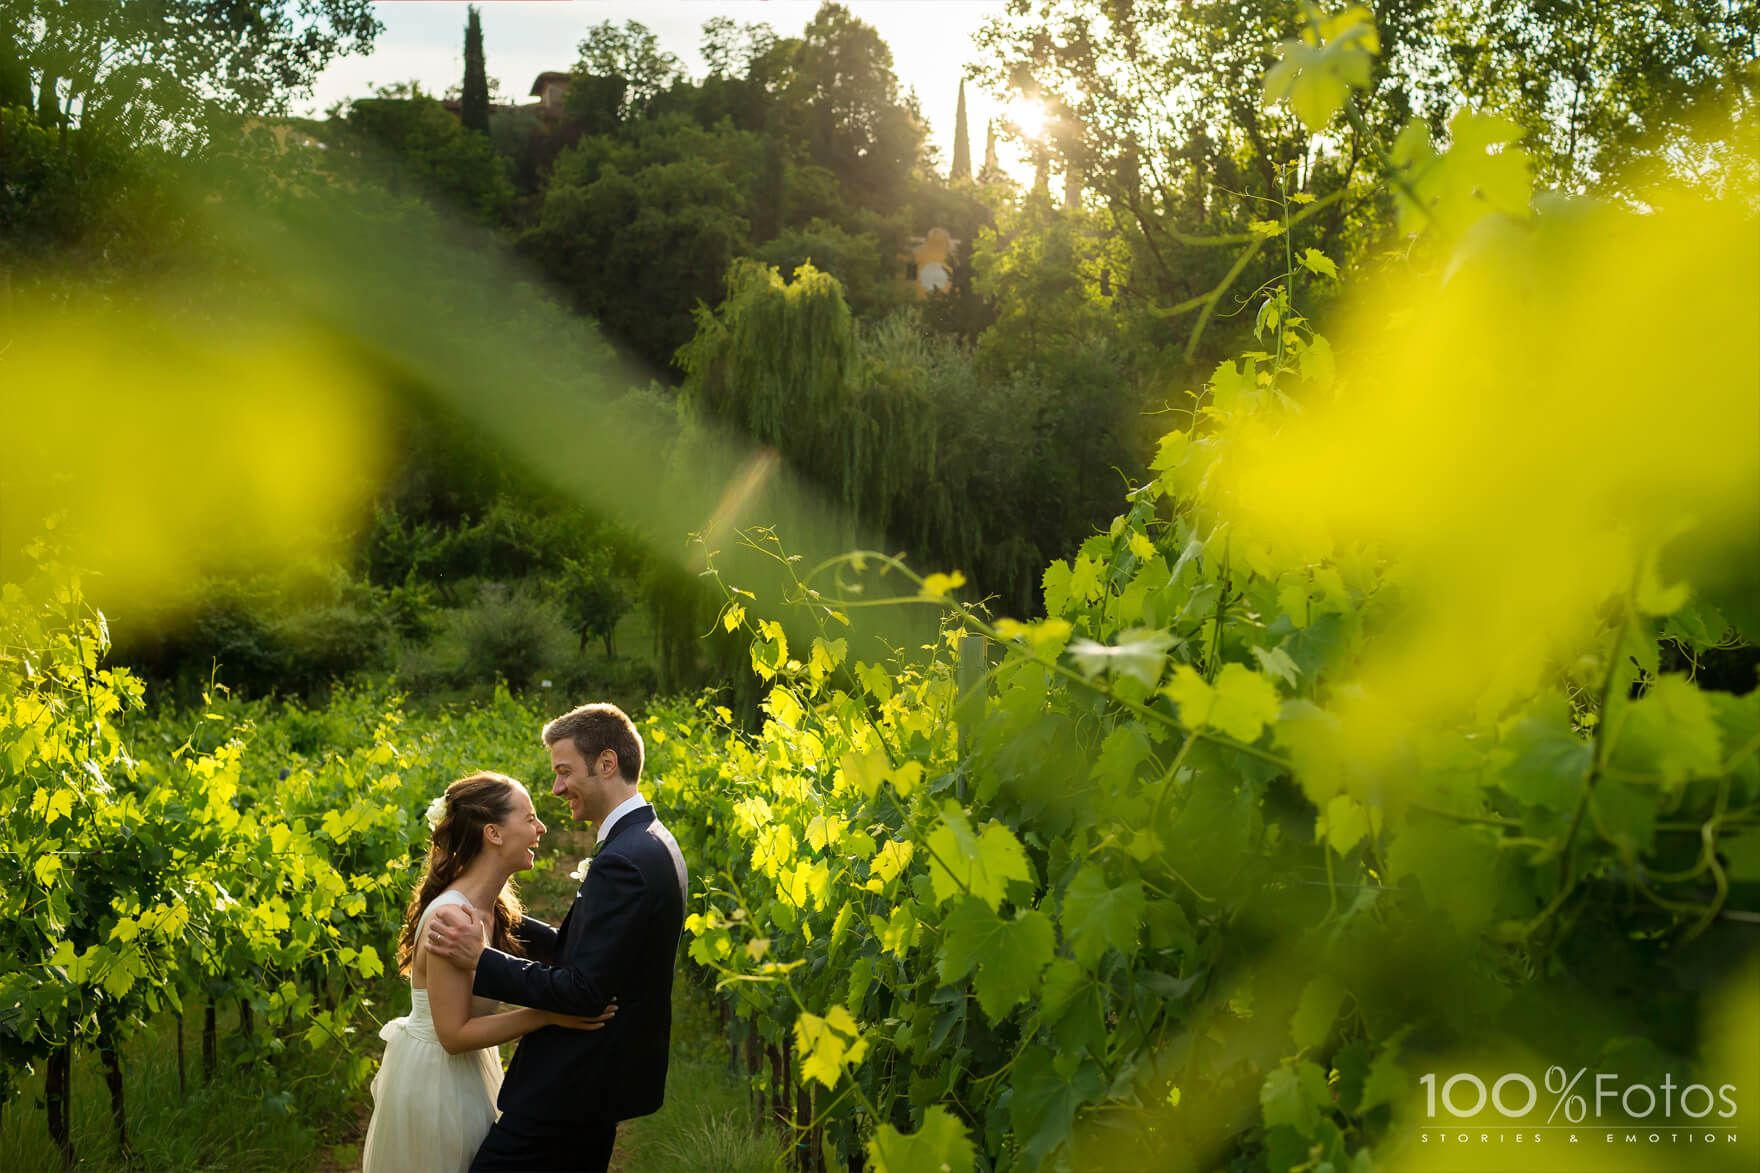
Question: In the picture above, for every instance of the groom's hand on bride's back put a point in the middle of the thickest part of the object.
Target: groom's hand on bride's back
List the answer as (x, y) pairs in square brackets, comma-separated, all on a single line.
[(456, 934)]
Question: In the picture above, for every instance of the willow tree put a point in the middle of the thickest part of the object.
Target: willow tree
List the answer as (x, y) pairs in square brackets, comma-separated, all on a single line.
[(779, 363)]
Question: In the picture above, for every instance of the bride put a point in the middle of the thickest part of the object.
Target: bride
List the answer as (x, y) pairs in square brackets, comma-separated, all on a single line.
[(434, 1095)]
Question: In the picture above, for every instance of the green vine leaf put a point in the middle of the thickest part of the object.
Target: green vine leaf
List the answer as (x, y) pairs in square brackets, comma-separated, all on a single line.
[(1004, 955), (939, 1146), (1140, 653), (1317, 73)]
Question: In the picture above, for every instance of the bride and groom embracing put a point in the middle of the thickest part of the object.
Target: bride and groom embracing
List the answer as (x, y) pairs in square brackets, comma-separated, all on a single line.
[(597, 989)]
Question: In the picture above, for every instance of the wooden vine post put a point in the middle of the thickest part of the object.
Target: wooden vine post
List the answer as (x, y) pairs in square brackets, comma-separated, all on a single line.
[(56, 1098), (112, 1060)]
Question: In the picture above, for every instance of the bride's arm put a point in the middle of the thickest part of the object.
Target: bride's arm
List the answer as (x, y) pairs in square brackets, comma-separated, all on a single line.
[(449, 1001)]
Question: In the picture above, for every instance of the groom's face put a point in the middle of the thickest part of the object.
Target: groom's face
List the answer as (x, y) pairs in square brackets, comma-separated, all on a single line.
[(575, 781)]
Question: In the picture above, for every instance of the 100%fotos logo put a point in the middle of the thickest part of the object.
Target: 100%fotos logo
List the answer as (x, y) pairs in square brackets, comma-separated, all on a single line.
[(1514, 1096)]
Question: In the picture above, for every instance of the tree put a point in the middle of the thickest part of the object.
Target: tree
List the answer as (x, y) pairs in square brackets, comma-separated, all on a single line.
[(846, 104), (641, 227), (1046, 272), (776, 361), (15, 78), (474, 102), (1159, 106), (962, 146), (405, 139), (866, 273), (729, 48), (1597, 87), (593, 599), (631, 55), (160, 69)]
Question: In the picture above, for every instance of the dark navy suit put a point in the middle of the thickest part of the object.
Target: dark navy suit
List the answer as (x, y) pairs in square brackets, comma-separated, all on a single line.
[(566, 1089)]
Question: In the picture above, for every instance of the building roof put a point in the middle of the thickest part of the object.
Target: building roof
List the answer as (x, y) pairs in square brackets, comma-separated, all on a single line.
[(547, 75)]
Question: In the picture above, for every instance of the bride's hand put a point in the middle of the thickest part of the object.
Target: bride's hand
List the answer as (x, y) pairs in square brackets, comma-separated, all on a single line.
[(576, 1022)]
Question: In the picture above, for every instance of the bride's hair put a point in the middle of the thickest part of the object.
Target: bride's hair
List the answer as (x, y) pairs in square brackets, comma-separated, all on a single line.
[(471, 804)]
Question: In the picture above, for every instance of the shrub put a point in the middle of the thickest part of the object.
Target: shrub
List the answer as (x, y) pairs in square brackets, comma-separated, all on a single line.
[(327, 643), (427, 670), (294, 633), (231, 623), (628, 683), (510, 634)]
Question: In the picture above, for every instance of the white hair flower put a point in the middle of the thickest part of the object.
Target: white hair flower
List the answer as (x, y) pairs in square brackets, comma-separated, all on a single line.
[(579, 875), (436, 812)]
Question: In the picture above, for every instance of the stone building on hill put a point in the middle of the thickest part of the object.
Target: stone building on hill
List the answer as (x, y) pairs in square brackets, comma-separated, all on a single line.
[(549, 88)]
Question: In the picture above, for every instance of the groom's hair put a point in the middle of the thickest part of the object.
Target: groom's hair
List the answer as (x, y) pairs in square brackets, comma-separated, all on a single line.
[(598, 727)]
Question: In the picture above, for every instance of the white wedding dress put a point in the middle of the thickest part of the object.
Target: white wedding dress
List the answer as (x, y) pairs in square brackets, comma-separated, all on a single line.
[(430, 1109)]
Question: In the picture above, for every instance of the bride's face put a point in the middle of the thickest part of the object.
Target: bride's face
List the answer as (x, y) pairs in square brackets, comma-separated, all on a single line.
[(520, 832)]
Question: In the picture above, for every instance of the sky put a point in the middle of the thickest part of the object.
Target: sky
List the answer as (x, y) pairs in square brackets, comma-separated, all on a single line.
[(424, 41)]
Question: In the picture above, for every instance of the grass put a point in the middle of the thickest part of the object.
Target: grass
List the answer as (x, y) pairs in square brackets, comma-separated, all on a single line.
[(707, 1122), (254, 1116)]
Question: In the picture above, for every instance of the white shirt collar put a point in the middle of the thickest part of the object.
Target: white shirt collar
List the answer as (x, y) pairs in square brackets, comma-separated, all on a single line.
[(633, 802)]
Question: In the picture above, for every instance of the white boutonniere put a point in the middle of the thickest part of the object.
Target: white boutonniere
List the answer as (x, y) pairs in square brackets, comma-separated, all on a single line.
[(436, 812), (579, 875)]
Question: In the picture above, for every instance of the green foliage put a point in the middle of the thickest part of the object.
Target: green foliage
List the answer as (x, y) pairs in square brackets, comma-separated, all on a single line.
[(1096, 931), (1226, 797), (592, 598), (790, 150), (859, 264), (1317, 74), (146, 866), (641, 234), (162, 70), (291, 633), (511, 635), (71, 209), (902, 427), (234, 854), (1053, 277), (1153, 104), (845, 100), (632, 57), (1594, 94), (939, 1144), (774, 360), (405, 140), (264, 1114)]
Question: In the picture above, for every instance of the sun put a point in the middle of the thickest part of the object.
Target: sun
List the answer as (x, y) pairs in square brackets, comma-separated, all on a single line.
[(1028, 116)]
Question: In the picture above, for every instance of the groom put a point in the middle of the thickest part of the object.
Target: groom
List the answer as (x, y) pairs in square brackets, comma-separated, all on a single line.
[(566, 1089)]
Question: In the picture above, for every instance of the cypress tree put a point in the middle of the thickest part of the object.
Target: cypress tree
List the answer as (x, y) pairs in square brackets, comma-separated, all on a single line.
[(962, 147), (992, 169), (474, 102)]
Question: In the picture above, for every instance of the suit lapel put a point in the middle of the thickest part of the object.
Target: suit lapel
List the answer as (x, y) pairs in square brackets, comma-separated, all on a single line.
[(640, 817)]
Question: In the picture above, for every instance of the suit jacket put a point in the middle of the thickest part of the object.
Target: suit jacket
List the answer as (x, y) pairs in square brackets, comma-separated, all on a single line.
[(619, 940)]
